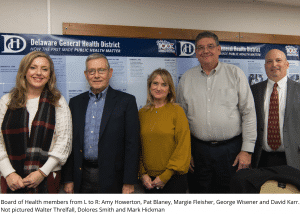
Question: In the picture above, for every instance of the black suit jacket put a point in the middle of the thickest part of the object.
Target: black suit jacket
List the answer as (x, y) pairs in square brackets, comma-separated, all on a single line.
[(118, 146), (251, 180), (291, 125)]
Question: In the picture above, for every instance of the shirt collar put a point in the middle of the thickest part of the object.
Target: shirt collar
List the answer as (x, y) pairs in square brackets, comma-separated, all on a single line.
[(281, 83), (102, 94), (213, 71)]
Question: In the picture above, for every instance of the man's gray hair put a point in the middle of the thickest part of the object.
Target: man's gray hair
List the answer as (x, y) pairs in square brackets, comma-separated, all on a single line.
[(96, 56)]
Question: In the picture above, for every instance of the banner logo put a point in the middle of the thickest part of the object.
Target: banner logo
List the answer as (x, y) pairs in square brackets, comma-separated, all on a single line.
[(187, 49), (291, 51), (13, 44), (165, 46)]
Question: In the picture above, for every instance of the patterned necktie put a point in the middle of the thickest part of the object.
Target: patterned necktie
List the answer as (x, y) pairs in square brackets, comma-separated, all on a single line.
[(273, 121)]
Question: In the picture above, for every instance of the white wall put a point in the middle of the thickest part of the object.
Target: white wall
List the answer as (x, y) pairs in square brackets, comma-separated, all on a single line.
[(30, 16)]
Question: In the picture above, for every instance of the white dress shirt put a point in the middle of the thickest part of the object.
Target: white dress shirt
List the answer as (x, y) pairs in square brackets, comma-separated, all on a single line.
[(282, 90)]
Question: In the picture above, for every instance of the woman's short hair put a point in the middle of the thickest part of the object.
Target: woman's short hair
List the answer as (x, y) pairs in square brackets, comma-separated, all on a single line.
[(19, 92), (167, 78)]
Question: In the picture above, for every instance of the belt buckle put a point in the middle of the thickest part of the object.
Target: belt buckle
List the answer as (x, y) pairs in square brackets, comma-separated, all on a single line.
[(214, 142)]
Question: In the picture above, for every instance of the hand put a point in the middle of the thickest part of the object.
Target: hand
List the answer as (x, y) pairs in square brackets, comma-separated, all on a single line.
[(158, 183), (147, 182), (192, 165), (69, 187), (243, 159), (14, 181), (128, 188), (33, 179)]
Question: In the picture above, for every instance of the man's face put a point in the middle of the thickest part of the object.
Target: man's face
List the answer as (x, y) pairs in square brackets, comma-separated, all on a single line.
[(208, 52), (98, 75), (276, 65)]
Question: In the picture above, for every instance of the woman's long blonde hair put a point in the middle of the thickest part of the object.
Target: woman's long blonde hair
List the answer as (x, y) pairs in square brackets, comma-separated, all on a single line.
[(19, 92), (167, 78)]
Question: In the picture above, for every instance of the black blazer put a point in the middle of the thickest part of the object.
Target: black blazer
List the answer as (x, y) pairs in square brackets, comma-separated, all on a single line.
[(118, 146), (251, 180), (291, 125)]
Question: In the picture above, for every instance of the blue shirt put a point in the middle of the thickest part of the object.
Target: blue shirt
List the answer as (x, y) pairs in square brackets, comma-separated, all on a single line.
[(92, 124)]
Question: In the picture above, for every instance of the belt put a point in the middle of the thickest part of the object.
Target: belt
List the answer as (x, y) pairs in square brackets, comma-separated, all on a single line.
[(217, 143), (90, 163)]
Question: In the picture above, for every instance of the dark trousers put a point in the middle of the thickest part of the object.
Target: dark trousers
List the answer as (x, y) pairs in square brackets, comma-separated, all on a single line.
[(176, 184), (91, 182), (90, 177), (213, 165), (270, 159)]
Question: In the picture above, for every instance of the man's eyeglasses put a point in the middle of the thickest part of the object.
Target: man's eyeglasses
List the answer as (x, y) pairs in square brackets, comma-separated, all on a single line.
[(101, 71), (202, 48)]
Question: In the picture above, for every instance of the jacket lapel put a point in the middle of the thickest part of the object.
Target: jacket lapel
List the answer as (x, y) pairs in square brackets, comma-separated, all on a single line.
[(83, 107), (261, 97), (110, 102), (289, 97)]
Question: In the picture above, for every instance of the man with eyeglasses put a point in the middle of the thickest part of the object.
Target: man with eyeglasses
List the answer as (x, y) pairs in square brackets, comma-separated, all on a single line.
[(104, 157), (219, 105)]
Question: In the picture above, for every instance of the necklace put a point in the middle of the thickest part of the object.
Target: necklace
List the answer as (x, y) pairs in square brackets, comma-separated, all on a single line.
[(153, 120)]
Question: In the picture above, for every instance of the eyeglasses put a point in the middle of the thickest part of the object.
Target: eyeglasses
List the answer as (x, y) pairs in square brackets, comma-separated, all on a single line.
[(202, 48), (101, 71)]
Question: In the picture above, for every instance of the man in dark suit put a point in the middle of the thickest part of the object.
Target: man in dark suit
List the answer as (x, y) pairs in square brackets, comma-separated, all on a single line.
[(278, 141), (105, 151)]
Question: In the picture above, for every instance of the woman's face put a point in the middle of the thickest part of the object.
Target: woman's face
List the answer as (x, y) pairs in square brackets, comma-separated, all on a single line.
[(159, 89), (38, 74)]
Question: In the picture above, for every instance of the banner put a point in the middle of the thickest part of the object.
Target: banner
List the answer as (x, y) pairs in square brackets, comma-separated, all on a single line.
[(132, 60)]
